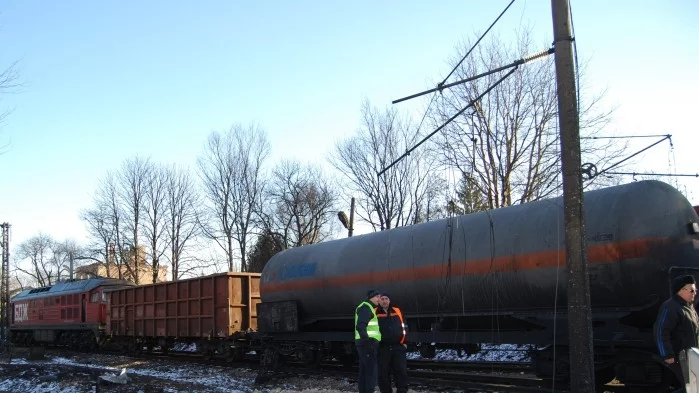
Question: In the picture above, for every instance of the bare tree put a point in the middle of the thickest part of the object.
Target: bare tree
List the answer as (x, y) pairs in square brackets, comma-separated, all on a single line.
[(9, 81), (400, 195), (507, 146), (156, 214), (64, 256), (302, 204), (133, 182), (181, 229), (104, 223), (102, 233), (109, 195), (231, 170), (37, 251)]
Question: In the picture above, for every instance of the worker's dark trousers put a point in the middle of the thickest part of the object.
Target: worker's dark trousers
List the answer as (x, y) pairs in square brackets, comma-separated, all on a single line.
[(681, 370), (392, 361), (367, 366)]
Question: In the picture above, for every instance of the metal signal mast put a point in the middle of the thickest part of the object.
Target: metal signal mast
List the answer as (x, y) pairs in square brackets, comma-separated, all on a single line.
[(5, 286)]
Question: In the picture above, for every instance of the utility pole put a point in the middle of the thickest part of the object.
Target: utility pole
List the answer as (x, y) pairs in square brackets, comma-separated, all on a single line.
[(70, 260), (351, 219), (579, 314), (5, 286)]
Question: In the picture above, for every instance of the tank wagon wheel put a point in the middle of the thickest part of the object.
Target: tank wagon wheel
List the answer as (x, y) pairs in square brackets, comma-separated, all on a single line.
[(270, 359), (207, 353), (309, 356), (269, 362), (234, 354)]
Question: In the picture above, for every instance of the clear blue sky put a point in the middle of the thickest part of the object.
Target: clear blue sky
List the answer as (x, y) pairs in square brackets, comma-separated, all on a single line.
[(107, 80)]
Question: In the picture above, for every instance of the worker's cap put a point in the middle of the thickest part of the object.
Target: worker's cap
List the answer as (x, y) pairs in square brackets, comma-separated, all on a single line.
[(388, 295), (372, 293), (679, 282)]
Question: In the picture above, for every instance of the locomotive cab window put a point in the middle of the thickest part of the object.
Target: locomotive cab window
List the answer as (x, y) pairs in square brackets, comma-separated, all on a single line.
[(95, 297)]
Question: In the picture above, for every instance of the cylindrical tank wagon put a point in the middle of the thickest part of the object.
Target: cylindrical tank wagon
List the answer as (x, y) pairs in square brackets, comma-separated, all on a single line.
[(504, 260), (499, 275)]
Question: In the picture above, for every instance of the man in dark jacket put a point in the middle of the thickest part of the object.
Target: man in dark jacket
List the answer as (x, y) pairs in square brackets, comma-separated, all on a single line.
[(392, 349), (366, 340), (677, 326)]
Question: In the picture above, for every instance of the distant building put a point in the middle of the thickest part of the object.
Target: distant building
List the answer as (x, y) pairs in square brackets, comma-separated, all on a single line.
[(145, 270)]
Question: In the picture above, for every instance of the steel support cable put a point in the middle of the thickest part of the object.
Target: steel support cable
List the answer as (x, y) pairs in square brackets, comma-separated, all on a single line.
[(470, 104), (627, 136), (424, 115), (440, 86), (515, 63), (609, 168), (653, 174)]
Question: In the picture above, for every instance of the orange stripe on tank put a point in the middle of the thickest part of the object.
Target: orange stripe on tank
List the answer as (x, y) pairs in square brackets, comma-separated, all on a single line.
[(538, 260)]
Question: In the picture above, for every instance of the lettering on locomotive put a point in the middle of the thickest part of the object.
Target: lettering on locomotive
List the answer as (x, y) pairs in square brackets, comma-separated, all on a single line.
[(21, 312)]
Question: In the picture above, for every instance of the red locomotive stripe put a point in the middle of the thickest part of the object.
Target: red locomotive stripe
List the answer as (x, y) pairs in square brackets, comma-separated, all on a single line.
[(545, 259)]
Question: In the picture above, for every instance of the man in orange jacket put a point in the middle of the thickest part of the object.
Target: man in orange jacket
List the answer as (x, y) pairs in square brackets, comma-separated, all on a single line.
[(392, 348)]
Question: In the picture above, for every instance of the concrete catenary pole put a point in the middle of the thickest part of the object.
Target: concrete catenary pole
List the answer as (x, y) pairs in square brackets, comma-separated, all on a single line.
[(579, 313)]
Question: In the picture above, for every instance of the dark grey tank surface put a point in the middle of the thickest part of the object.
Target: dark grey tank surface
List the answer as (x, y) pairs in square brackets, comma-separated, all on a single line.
[(505, 260)]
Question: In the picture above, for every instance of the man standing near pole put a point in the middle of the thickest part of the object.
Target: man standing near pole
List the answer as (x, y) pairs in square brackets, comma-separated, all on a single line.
[(677, 326)]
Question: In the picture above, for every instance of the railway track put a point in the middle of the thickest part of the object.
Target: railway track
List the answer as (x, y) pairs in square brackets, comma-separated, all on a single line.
[(432, 375)]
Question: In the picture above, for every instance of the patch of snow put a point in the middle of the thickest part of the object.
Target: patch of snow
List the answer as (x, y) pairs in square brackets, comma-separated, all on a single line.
[(70, 362), (488, 353), (35, 386), (185, 347), (214, 378)]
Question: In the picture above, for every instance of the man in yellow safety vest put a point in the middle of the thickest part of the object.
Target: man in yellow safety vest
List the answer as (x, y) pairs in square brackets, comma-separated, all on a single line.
[(366, 339)]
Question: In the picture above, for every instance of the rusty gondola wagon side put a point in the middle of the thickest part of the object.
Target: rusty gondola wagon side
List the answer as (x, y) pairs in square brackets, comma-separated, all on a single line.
[(216, 312)]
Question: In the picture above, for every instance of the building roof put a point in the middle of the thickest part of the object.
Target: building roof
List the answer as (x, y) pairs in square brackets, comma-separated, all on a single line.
[(69, 287)]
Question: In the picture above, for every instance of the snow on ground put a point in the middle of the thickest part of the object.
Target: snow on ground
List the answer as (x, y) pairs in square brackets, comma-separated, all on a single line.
[(488, 353), (78, 374), (185, 347), (32, 386)]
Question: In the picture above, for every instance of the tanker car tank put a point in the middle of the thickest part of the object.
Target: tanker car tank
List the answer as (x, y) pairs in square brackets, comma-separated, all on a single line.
[(498, 275), (503, 260)]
